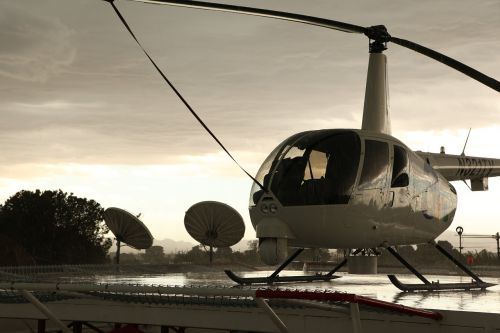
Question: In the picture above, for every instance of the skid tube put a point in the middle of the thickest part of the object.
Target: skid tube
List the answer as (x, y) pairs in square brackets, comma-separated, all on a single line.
[(275, 278), (476, 282)]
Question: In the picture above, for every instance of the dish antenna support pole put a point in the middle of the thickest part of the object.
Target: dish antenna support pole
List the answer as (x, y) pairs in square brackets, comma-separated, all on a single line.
[(376, 109), (118, 246)]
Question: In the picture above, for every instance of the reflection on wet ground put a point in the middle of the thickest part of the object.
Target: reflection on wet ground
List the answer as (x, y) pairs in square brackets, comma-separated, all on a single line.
[(375, 286)]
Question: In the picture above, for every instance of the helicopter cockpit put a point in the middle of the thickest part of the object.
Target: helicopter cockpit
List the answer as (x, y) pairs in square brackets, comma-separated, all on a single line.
[(311, 168)]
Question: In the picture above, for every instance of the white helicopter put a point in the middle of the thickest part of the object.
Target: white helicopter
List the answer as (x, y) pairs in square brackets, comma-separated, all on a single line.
[(354, 188)]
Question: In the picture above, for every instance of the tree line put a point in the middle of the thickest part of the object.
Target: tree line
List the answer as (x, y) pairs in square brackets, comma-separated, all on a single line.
[(55, 227), (422, 255), (52, 227)]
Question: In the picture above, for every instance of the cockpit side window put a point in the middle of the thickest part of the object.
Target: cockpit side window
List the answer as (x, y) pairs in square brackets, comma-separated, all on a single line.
[(375, 165), (400, 168)]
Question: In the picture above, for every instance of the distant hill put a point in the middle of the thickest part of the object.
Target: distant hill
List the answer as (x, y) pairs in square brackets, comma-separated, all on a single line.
[(173, 246), (169, 246), (242, 246)]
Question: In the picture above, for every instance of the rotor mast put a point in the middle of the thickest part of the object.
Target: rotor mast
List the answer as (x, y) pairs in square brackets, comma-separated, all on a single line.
[(376, 108)]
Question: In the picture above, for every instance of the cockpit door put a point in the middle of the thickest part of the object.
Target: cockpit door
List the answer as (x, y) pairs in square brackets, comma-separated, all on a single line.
[(372, 189), (399, 194)]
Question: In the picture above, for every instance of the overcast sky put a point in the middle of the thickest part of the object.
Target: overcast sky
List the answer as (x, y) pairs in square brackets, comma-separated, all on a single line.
[(84, 111)]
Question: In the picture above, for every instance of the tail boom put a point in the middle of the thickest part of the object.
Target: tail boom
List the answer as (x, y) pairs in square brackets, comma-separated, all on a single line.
[(461, 167)]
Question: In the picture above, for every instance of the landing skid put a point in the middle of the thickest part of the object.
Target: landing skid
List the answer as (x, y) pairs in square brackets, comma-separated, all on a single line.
[(476, 282), (275, 278), (437, 286), (278, 279)]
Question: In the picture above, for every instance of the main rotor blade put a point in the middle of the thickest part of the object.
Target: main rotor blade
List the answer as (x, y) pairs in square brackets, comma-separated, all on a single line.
[(311, 20), (461, 67), (376, 32)]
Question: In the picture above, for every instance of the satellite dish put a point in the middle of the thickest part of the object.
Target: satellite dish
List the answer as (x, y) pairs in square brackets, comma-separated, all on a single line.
[(127, 229), (214, 224)]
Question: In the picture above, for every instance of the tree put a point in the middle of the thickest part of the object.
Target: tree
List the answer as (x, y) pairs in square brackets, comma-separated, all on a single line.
[(197, 255), (154, 255), (224, 254), (56, 227)]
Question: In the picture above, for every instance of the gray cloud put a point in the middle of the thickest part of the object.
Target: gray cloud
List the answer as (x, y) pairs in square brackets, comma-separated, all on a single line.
[(92, 97), (33, 47)]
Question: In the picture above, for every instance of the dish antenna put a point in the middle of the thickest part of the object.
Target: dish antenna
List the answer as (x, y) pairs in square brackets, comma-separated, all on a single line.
[(214, 224), (128, 229)]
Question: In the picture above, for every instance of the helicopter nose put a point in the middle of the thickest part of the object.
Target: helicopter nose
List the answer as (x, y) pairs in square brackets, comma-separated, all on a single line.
[(268, 208)]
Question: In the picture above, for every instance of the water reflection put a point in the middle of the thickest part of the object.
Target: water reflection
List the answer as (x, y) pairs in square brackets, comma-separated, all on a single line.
[(483, 301), (376, 286)]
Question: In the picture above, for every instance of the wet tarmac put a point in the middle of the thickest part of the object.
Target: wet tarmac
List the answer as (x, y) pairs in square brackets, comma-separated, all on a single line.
[(375, 286)]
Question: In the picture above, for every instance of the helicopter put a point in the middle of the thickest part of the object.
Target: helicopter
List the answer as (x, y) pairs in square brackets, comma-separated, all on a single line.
[(360, 189)]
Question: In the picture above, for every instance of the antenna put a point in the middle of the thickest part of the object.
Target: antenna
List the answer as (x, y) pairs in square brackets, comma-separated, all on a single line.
[(466, 140), (463, 154), (214, 224), (128, 229)]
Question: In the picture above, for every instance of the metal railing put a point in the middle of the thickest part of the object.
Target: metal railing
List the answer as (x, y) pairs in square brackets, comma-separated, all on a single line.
[(336, 301)]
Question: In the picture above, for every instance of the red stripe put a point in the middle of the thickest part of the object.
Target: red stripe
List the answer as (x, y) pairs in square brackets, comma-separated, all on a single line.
[(344, 297), (399, 308)]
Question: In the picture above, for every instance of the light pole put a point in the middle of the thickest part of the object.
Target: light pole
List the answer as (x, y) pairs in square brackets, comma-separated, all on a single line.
[(497, 237), (460, 231)]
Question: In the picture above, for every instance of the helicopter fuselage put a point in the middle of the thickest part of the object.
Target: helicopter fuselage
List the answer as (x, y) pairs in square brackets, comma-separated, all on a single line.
[(349, 189)]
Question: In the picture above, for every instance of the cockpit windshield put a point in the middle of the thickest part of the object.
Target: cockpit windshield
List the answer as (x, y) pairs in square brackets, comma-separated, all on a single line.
[(312, 168), (264, 174)]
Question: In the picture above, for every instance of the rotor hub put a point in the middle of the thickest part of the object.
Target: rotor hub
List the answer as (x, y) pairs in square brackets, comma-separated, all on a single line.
[(378, 33), (379, 37)]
